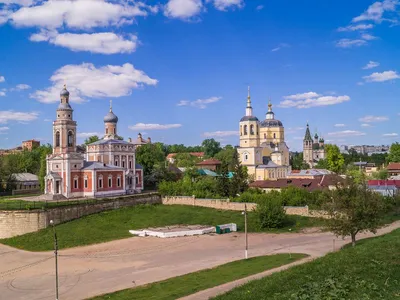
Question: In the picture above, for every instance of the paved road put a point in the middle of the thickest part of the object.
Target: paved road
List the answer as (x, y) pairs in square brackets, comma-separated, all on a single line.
[(93, 270)]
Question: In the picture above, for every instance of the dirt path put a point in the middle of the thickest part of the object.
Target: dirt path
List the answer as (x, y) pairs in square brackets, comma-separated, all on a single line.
[(102, 268)]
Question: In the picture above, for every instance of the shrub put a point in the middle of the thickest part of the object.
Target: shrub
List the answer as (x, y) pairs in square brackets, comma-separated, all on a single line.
[(271, 214)]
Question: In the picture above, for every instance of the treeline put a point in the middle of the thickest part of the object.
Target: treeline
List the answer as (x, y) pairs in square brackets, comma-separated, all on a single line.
[(23, 162)]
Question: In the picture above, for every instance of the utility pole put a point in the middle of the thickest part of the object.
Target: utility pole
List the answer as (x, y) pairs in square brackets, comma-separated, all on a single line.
[(245, 229), (55, 255)]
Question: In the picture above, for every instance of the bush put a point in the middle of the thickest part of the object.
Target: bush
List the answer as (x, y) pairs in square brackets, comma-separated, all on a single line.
[(271, 214), (202, 187)]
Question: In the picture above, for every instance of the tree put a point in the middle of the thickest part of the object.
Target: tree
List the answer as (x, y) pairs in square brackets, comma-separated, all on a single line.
[(394, 153), (297, 162), (240, 179), (226, 156), (223, 182), (91, 139), (381, 174), (211, 147), (271, 214), (352, 208), (334, 158), (148, 155), (322, 164), (185, 160)]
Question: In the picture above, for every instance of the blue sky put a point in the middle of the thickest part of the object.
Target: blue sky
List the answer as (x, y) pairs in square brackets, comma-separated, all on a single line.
[(178, 70)]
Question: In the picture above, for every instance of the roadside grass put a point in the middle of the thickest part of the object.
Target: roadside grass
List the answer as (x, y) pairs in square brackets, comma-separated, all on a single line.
[(370, 270), (176, 287), (115, 224)]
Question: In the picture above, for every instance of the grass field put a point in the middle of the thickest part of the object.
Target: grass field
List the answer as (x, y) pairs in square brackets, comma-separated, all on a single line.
[(115, 224), (371, 270), (181, 286)]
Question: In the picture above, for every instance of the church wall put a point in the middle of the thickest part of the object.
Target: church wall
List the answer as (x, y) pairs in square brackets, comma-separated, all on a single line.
[(139, 173), (114, 175), (267, 134)]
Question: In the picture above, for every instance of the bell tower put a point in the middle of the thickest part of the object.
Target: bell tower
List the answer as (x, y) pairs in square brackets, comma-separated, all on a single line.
[(249, 128), (308, 147), (64, 128)]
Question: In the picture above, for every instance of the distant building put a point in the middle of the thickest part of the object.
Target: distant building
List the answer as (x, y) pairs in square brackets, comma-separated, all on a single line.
[(366, 167), (171, 156), (209, 164), (313, 149), (26, 183), (385, 187), (393, 169), (30, 144), (263, 149), (308, 174), (370, 149)]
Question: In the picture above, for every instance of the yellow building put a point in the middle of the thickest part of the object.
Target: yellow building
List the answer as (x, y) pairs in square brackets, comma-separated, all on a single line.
[(262, 145)]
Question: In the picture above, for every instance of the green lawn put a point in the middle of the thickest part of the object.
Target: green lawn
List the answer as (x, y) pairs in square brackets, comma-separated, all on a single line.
[(371, 270), (191, 283), (115, 224)]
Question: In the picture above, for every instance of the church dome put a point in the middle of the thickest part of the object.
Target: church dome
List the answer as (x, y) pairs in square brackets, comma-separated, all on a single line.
[(64, 92), (110, 118), (248, 118), (271, 123)]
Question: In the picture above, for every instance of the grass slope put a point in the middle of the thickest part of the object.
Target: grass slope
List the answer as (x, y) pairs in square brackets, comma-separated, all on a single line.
[(371, 270), (115, 224), (191, 283)]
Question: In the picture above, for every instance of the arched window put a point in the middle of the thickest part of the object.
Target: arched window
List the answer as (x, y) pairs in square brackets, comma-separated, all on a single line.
[(70, 139), (252, 129), (57, 139), (265, 136), (114, 130), (274, 135), (245, 130), (256, 129), (240, 129), (106, 130)]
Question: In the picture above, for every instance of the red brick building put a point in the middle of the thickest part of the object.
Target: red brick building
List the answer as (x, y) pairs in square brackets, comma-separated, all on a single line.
[(30, 144)]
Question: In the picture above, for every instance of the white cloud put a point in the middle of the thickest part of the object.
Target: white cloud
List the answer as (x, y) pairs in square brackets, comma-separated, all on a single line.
[(311, 99), (18, 2), (370, 65), (380, 77), (339, 125), (87, 81), (4, 15), (10, 115), (356, 27), (102, 42), (345, 133), (2, 94), (225, 4), (88, 134), (21, 87), (390, 134), (143, 126), (365, 125), (4, 130), (294, 129), (260, 7), (221, 133), (376, 10), (48, 120), (79, 14), (282, 45), (373, 119), (348, 43), (199, 103), (2, 79), (368, 37), (183, 9)]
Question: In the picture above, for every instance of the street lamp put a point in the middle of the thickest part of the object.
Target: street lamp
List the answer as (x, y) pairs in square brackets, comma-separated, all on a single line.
[(55, 255), (245, 228)]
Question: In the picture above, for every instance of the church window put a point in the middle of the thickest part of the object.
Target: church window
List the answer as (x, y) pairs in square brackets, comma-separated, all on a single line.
[(75, 183), (69, 116), (274, 135), (57, 139), (116, 162), (240, 129), (265, 136), (114, 130), (86, 182), (245, 130), (119, 181), (252, 129), (130, 164), (106, 130), (256, 129), (101, 181), (74, 166), (137, 179), (123, 164), (58, 115), (109, 181), (70, 139)]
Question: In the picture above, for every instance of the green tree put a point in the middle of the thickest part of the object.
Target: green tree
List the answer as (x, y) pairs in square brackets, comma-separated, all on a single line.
[(334, 158), (240, 179), (394, 153), (91, 139), (185, 160), (223, 182), (381, 174), (211, 147), (352, 208), (322, 164), (45, 150), (149, 155), (271, 214), (297, 162), (226, 156)]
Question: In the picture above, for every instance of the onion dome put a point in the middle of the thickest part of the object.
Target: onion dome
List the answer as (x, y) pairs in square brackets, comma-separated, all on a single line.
[(271, 123), (110, 117), (64, 92), (249, 118)]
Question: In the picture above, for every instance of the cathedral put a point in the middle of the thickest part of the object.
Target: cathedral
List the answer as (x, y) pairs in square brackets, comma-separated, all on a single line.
[(107, 169), (262, 145), (313, 150)]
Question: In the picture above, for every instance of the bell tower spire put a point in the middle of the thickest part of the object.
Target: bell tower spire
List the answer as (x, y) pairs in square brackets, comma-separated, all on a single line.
[(249, 109)]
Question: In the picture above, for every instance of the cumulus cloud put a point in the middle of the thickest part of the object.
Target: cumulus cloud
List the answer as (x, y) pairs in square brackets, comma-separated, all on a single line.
[(339, 125), (356, 27), (376, 11), (390, 134), (2, 79), (349, 43), (370, 65), (221, 133), (373, 119), (3, 130), (380, 77), (18, 2), (199, 103), (368, 37), (311, 99), (10, 115), (365, 125), (102, 42), (346, 133), (88, 134), (86, 81), (183, 9), (225, 4), (2, 94), (74, 14), (143, 126)]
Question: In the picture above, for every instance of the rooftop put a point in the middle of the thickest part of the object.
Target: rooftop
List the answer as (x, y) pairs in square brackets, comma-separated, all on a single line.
[(208, 162)]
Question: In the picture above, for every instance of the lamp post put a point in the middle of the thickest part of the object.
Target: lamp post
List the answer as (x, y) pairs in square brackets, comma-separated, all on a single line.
[(55, 255), (245, 228)]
